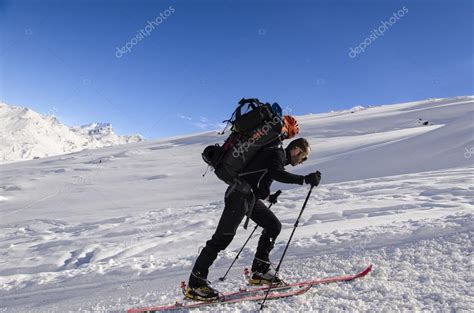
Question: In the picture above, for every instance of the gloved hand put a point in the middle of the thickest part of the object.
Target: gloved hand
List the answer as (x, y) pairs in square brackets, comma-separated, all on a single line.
[(273, 197), (313, 178)]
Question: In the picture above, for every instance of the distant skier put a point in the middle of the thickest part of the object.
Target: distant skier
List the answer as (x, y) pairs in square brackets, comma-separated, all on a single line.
[(268, 165)]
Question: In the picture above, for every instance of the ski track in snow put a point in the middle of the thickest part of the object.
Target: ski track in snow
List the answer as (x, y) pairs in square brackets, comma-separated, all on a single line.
[(120, 227)]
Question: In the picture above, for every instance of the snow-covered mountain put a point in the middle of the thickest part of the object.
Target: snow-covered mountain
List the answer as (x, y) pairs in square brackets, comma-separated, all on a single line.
[(26, 134), (108, 229)]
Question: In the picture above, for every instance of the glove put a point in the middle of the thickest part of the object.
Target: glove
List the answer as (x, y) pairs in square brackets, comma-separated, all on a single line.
[(273, 198), (313, 179)]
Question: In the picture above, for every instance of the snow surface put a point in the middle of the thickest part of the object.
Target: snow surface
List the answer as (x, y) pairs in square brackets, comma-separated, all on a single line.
[(118, 227), (26, 135)]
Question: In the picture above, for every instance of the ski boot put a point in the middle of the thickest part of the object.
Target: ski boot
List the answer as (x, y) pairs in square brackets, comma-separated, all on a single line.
[(263, 274), (199, 289)]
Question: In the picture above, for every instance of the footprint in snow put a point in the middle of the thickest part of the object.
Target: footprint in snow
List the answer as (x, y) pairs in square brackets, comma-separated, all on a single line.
[(10, 188), (157, 177)]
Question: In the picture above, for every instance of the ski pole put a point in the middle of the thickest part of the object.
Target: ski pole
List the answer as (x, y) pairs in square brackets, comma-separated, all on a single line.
[(273, 200), (286, 248)]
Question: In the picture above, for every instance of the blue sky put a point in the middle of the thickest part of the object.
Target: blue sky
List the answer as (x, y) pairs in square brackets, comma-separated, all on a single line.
[(199, 58)]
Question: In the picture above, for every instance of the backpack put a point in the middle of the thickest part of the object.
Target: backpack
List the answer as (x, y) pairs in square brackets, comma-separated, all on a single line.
[(260, 125)]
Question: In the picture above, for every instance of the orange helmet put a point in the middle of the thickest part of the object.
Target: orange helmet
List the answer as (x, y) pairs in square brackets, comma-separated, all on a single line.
[(290, 126)]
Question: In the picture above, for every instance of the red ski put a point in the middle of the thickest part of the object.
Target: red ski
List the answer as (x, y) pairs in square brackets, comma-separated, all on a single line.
[(255, 294), (223, 300), (326, 280)]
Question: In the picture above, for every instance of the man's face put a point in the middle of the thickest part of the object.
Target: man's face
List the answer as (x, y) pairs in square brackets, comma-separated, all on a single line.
[(298, 156)]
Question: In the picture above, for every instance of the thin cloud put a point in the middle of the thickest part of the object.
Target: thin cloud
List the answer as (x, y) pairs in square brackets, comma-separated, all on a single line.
[(184, 117)]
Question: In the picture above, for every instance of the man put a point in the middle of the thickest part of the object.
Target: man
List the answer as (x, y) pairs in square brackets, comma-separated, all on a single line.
[(267, 166)]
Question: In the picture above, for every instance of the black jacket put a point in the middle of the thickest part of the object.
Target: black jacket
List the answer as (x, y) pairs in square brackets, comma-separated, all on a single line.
[(267, 166)]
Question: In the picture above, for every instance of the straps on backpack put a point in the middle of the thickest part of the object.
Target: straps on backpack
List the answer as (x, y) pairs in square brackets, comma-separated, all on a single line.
[(252, 102), (237, 114)]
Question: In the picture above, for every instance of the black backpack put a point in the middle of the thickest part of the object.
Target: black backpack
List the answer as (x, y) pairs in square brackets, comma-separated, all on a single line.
[(258, 126)]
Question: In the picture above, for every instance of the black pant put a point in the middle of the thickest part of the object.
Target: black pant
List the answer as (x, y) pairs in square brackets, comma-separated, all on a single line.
[(236, 206)]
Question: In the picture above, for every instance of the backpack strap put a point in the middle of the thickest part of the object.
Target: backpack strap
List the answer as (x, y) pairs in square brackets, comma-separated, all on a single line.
[(237, 114), (252, 102)]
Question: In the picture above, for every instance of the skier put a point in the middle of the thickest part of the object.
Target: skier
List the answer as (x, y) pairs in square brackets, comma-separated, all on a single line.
[(267, 165)]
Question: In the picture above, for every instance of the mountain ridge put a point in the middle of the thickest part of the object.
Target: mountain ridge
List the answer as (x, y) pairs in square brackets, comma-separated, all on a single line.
[(26, 134)]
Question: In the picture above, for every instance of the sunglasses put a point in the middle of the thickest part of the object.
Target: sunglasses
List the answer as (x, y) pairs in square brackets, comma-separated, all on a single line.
[(305, 155)]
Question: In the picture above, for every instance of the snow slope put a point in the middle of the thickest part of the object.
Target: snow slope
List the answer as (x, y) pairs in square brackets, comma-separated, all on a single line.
[(25, 134), (108, 229)]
